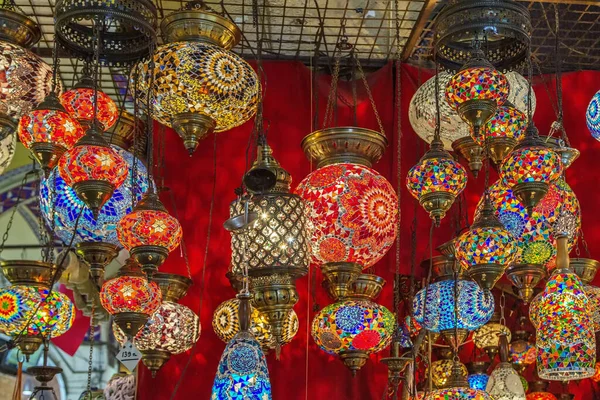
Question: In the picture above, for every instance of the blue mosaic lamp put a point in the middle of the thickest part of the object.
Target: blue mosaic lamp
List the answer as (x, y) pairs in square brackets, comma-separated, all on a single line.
[(478, 376), (96, 238), (475, 308), (592, 116), (242, 372)]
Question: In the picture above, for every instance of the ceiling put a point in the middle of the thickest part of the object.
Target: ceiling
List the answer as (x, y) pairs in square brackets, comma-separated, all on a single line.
[(308, 30)]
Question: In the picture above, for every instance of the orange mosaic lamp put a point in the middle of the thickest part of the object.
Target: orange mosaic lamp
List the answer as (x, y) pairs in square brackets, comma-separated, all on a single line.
[(93, 169), (149, 232), (79, 103), (130, 298), (49, 131)]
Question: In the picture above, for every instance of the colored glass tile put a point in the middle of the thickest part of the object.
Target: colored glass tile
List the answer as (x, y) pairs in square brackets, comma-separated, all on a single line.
[(478, 83), (489, 335), (49, 126), (130, 294), (485, 245), (353, 211), (79, 103), (436, 175), (505, 383), (530, 164), (508, 122), (90, 162), (149, 228), (457, 393), (478, 381)]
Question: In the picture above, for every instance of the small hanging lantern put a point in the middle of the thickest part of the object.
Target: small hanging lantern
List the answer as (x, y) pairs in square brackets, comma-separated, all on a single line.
[(436, 181), (530, 169), (505, 383), (478, 377), (503, 131), (130, 298), (149, 232), (487, 337), (522, 353), (93, 169), (457, 387), (476, 91)]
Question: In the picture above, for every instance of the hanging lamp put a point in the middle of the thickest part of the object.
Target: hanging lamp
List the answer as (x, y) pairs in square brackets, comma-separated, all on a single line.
[(242, 371), (538, 391), (354, 326), (487, 338), (503, 131), (522, 352), (504, 382), (130, 298), (476, 91), (592, 116), (486, 248), (478, 377), (200, 85), (457, 387)]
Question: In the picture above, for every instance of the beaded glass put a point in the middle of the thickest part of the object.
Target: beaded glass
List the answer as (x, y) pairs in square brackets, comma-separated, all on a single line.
[(592, 116), (68, 205), (353, 211), (199, 78), (130, 294), (79, 103), (90, 162), (478, 83), (242, 372), (49, 126), (226, 325), (436, 175), (353, 325), (25, 80), (475, 306), (534, 234)]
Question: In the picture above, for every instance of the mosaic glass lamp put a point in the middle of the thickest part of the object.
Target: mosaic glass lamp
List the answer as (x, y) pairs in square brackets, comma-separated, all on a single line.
[(522, 352), (533, 231), (593, 116), (487, 338), (79, 103), (200, 86), (226, 325), (503, 131), (530, 169), (475, 307), (130, 298), (172, 329), (538, 391), (441, 372), (354, 326), (242, 372), (565, 336), (476, 91), (149, 232), (49, 131), (436, 180), (93, 169), (504, 382), (486, 248), (478, 376), (457, 388), (422, 110)]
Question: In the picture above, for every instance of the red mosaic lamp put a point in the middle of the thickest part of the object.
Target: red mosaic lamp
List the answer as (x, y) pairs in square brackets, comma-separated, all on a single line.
[(49, 131), (530, 168), (79, 103), (149, 232), (93, 169), (130, 298), (476, 91)]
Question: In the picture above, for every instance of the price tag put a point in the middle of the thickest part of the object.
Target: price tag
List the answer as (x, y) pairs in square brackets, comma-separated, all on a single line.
[(129, 356)]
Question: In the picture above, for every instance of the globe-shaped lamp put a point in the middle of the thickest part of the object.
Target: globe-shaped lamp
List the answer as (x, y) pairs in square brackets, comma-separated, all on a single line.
[(149, 232), (530, 169), (200, 86), (49, 131), (442, 370), (503, 131), (593, 116), (505, 383), (521, 352), (478, 380), (80, 104), (487, 337), (353, 329)]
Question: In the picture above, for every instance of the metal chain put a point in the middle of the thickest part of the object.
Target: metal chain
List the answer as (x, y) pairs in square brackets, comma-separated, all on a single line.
[(332, 96), (502, 306), (398, 99), (14, 211), (371, 99), (90, 360)]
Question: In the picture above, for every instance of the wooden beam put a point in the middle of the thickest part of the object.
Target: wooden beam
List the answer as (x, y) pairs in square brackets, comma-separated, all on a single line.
[(417, 30)]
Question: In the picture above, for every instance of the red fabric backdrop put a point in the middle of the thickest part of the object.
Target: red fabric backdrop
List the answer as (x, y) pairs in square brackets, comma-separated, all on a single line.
[(305, 372)]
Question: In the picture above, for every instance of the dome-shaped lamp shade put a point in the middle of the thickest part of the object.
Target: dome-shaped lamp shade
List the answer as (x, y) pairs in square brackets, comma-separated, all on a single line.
[(564, 332), (436, 180), (478, 381), (533, 233), (68, 205), (242, 372), (475, 306), (48, 133), (503, 131), (226, 325), (593, 116), (79, 103), (199, 88), (354, 213), (505, 383)]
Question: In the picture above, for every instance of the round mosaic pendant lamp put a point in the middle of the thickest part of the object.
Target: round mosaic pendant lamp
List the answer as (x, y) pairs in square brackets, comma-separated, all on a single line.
[(487, 338), (593, 116), (530, 169), (478, 376), (275, 247), (505, 382), (352, 208), (199, 85), (486, 248), (242, 371), (172, 329), (149, 232), (457, 387), (503, 131), (522, 352), (354, 326), (130, 298)]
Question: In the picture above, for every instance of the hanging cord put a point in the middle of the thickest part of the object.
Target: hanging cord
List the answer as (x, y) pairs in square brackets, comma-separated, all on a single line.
[(96, 66), (371, 99), (149, 123), (90, 359), (55, 67), (502, 307), (136, 138), (332, 96)]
